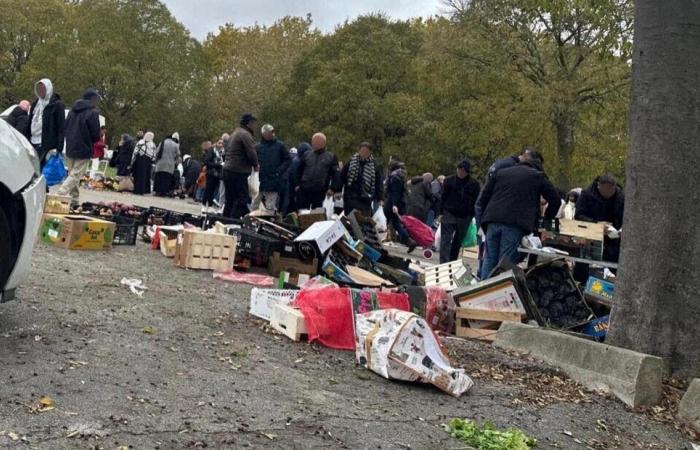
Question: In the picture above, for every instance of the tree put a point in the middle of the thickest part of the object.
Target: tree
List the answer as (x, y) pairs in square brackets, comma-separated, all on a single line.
[(657, 310), (573, 53), (142, 61), (249, 66), (358, 84)]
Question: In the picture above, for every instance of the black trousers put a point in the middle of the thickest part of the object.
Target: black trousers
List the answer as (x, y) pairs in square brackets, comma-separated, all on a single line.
[(237, 196), (451, 238), (211, 190), (363, 206), (310, 198)]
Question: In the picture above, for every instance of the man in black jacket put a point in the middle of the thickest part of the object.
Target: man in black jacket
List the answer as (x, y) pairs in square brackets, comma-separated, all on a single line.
[(19, 117), (511, 203), (46, 120), (459, 194), (604, 201), (274, 161), (317, 174), (362, 181), (82, 131)]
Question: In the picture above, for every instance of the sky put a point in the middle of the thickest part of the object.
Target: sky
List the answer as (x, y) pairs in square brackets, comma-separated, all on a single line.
[(204, 16)]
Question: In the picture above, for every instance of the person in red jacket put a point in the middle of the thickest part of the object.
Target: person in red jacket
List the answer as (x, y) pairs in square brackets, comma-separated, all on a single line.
[(98, 152)]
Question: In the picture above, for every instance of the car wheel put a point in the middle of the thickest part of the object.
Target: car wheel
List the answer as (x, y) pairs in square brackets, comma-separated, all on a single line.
[(6, 243)]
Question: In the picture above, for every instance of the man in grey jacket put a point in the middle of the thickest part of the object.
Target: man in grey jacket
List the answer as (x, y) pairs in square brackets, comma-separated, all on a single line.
[(239, 162)]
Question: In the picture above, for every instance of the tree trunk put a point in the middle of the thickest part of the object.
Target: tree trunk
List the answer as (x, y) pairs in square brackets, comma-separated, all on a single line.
[(564, 121), (657, 307)]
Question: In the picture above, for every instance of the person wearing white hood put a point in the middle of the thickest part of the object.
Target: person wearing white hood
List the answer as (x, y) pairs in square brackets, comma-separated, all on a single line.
[(46, 120)]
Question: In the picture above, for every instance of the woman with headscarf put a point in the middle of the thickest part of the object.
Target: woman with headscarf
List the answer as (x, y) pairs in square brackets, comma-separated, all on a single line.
[(167, 158), (125, 153), (142, 163)]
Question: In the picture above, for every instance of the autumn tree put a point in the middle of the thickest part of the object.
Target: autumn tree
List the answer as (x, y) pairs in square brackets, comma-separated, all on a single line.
[(249, 66), (656, 308), (573, 53)]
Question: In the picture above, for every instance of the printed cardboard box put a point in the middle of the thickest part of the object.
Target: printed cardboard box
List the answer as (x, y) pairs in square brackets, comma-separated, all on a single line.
[(76, 232)]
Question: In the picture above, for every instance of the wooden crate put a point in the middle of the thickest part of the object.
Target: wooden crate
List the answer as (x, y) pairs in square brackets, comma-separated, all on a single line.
[(57, 204), (288, 321), (448, 276), (584, 230), (482, 324), (207, 251), (168, 244)]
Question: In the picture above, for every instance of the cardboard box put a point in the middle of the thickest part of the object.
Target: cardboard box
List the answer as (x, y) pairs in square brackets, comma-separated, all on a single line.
[(168, 241), (76, 232), (288, 321), (601, 288), (323, 234), (598, 328), (263, 300), (207, 251), (57, 204), (294, 266), (308, 218)]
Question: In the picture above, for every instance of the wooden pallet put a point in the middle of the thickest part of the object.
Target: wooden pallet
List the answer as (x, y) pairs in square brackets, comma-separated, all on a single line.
[(449, 276), (288, 321), (482, 324), (207, 251)]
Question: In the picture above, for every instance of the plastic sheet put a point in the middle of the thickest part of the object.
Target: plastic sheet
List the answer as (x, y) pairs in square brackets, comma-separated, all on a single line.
[(246, 278)]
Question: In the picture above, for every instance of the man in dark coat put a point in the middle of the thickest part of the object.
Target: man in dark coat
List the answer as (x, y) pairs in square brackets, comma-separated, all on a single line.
[(239, 162), (82, 131), (46, 120), (274, 161), (604, 201), (291, 204), (511, 204), (420, 197), (191, 168), (361, 178), (19, 117), (459, 194), (317, 175)]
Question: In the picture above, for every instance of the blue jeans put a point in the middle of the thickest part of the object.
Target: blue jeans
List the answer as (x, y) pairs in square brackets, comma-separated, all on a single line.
[(502, 241)]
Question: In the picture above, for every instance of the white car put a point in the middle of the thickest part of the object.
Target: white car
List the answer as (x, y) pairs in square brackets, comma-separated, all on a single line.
[(22, 193)]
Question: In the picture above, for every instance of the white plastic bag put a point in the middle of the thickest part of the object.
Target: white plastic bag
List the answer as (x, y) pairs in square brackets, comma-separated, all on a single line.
[(380, 220), (438, 235), (328, 205), (254, 184)]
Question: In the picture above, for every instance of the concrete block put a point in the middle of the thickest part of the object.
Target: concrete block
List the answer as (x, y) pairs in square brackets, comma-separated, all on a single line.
[(635, 378), (689, 408)]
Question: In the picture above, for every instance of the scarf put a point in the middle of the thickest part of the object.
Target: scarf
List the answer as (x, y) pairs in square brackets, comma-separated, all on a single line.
[(368, 174)]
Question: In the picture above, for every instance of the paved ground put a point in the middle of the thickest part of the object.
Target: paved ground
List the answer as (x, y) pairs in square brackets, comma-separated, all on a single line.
[(185, 366)]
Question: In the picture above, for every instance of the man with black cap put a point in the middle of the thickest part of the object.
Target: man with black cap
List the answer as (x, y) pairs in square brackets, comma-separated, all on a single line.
[(240, 160), (82, 131), (459, 194)]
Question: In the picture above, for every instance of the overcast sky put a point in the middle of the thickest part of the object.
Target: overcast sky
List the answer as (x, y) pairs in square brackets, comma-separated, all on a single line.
[(204, 16)]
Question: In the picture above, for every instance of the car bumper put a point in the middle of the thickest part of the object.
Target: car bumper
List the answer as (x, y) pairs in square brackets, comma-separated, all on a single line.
[(33, 196)]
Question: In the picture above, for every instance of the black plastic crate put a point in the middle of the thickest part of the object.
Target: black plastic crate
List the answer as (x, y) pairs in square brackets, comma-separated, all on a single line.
[(175, 218), (210, 219), (192, 219), (125, 231), (154, 215), (256, 247)]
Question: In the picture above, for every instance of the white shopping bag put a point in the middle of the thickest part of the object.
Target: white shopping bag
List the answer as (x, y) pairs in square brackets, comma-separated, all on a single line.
[(254, 184), (328, 205)]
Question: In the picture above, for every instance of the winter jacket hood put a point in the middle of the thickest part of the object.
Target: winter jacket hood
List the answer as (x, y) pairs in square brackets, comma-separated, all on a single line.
[(48, 84)]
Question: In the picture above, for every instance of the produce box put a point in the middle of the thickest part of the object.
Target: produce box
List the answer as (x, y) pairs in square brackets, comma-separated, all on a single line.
[(168, 241), (322, 235), (279, 264), (76, 232), (257, 247), (263, 300), (57, 204), (308, 218), (208, 251), (583, 239), (600, 288), (598, 328)]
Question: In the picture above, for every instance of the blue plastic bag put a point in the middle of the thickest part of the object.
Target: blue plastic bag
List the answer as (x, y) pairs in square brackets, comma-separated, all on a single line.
[(54, 171)]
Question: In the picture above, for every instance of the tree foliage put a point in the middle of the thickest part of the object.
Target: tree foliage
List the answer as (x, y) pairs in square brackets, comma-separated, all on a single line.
[(492, 77)]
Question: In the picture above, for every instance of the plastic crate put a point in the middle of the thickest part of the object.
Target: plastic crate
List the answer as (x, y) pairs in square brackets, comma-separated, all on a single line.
[(257, 247), (210, 219), (126, 231), (192, 219), (156, 214), (175, 218)]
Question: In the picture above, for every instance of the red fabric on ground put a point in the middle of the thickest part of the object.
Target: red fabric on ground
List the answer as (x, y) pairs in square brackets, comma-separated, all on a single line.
[(329, 314)]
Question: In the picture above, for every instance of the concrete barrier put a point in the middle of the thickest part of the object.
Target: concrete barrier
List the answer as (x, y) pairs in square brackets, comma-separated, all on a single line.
[(689, 408), (635, 378)]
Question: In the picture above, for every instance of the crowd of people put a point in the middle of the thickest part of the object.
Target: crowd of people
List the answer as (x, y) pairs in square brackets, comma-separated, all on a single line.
[(516, 194)]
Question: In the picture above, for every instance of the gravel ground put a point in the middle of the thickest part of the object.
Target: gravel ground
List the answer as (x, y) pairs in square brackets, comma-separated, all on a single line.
[(185, 366)]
